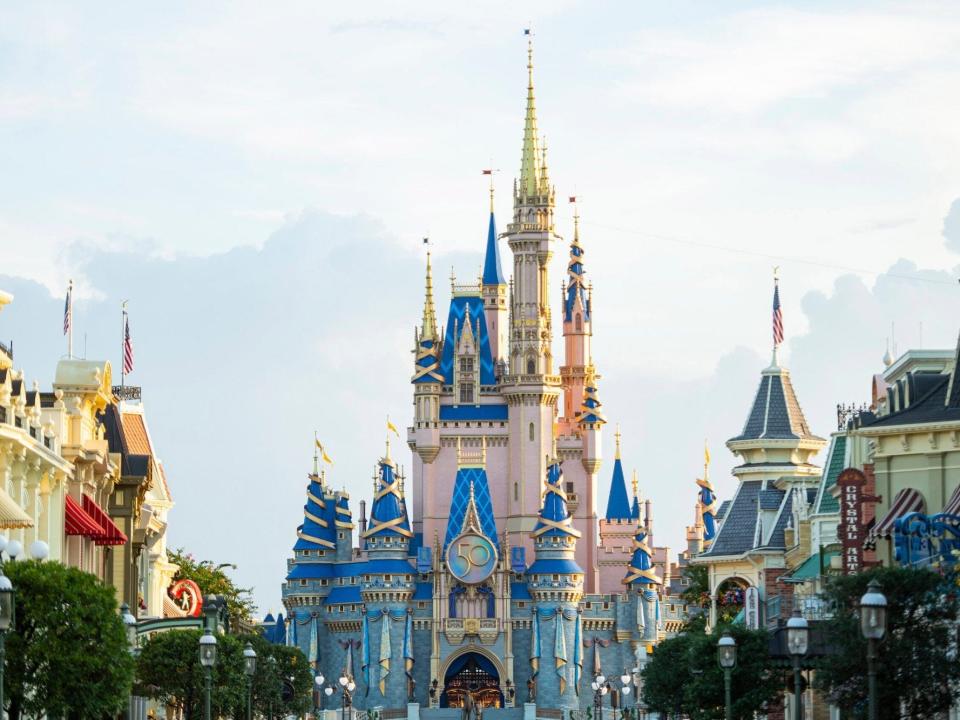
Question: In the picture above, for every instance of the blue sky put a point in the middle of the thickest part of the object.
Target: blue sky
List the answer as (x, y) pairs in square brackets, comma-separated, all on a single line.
[(256, 180)]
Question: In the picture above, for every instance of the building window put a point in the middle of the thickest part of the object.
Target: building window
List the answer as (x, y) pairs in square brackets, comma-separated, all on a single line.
[(516, 492), (466, 364), (531, 366), (521, 604), (340, 535), (579, 323), (531, 432), (421, 605), (466, 393), (303, 583), (324, 582), (569, 486)]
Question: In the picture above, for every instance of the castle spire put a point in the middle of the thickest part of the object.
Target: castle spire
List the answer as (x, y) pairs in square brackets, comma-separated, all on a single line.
[(492, 271), (635, 508), (576, 285), (427, 345), (618, 503), (429, 327), (531, 158)]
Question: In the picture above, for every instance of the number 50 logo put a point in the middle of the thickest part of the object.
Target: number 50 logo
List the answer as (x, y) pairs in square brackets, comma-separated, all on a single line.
[(471, 558)]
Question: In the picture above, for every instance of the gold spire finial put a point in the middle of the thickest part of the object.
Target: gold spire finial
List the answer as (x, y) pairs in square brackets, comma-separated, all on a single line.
[(316, 454), (636, 482), (706, 459), (531, 157), (617, 436), (429, 329)]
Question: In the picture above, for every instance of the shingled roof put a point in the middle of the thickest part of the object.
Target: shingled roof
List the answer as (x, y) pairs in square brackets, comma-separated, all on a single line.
[(776, 413), (739, 523)]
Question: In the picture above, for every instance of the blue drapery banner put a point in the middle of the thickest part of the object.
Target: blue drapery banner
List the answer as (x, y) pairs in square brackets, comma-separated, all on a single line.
[(535, 647), (385, 652), (577, 654), (312, 648), (365, 663), (560, 651), (408, 658)]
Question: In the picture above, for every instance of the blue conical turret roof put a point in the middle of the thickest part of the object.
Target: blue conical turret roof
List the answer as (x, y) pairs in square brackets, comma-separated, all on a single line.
[(618, 502), (576, 282), (555, 519), (388, 514), (319, 519), (492, 272), (640, 570), (344, 516)]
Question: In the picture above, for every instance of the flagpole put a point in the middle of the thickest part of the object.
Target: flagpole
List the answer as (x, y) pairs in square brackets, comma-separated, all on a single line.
[(70, 326), (123, 343)]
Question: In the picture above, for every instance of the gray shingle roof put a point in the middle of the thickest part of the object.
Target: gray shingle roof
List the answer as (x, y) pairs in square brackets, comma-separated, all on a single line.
[(835, 463), (776, 413), (776, 541), (740, 522), (722, 512), (770, 499)]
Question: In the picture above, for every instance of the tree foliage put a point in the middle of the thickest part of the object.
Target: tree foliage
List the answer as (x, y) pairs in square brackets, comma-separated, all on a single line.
[(683, 676), (67, 653), (169, 670), (916, 667), (212, 579), (697, 592)]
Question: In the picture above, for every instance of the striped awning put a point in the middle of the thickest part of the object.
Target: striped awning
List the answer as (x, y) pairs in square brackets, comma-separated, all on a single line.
[(12, 515), (953, 504), (111, 534), (77, 522), (906, 501)]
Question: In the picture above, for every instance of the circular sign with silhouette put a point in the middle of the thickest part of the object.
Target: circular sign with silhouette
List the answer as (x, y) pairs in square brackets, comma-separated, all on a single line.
[(472, 558)]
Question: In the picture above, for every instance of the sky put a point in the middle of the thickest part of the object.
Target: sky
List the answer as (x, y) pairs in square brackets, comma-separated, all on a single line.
[(256, 181)]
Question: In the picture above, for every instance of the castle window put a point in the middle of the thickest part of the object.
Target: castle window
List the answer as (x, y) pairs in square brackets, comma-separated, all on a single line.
[(323, 582), (521, 604), (340, 536), (421, 605), (466, 393), (306, 553), (466, 364), (516, 492), (531, 366), (531, 432), (569, 487), (579, 323), (303, 583), (556, 577)]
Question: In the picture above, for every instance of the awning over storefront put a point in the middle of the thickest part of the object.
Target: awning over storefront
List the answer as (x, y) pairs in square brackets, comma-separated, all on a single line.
[(953, 504), (905, 502), (78, 522), (111, 534), (12, 515), (813, 567)]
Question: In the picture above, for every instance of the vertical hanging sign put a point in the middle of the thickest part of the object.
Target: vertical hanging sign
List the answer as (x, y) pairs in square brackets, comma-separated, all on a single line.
[(850, 530)]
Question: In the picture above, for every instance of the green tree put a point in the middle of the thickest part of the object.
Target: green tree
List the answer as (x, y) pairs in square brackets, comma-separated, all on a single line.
[(212, 579), (697, 592), (169, 671), (683, 676), (67, 654), (916, 670)]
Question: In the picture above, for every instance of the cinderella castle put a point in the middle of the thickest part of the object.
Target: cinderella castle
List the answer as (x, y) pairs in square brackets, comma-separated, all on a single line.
[(488, 568)]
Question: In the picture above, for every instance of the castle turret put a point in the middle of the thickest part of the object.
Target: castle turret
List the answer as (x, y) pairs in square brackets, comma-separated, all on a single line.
[(344, 526), (617, 526), (530, 388), (427, 379), (555, 582), (577, 331), (494, 289), (618, 503), (644, 585), (707, 502)]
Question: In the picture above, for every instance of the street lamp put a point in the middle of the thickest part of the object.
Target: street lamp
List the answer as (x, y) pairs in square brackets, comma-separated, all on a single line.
[(727, 659), (798, 640), (249, 669), (130, 628), (347, 686), (6, 620), (272, 662), (318, 690), (208, 658), (873, 625)]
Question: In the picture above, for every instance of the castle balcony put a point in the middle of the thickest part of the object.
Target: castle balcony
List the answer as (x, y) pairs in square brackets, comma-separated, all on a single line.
[(486, 629)]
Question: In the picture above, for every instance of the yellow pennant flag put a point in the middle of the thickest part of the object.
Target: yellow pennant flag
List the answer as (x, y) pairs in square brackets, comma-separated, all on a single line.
[(706, 454), (323, 453), (392, 428)]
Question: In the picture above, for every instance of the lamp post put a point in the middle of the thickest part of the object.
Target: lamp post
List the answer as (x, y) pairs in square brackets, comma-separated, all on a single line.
[(130, 628), (208, 658), (347, 686), (328, 691), (873, 625), (798, 640), (6, 620), (249, 669), (599, 686), (727, 659), (272, 662), (318, 693)]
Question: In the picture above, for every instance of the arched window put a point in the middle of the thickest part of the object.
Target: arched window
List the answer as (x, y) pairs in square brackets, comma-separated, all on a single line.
[(578, 322), (531, 366), (531, 432), (516, 492)]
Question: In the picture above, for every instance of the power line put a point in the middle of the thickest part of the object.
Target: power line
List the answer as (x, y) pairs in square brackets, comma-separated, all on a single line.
[(768, 256)]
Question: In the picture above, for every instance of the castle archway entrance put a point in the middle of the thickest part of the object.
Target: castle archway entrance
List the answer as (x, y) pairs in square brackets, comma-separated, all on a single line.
[(474, 673)]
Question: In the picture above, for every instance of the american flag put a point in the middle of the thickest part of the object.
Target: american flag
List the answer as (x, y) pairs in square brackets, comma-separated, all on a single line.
[(68, 310), (127, 347), (777, 316)]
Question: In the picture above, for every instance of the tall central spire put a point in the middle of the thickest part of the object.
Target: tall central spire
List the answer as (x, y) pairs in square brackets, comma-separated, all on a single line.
[(429, 329), (531, 160)]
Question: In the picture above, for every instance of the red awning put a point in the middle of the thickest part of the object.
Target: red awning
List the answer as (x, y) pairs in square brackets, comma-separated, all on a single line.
[(906, 501), (953, 504), (110, 534), (78, 522)]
